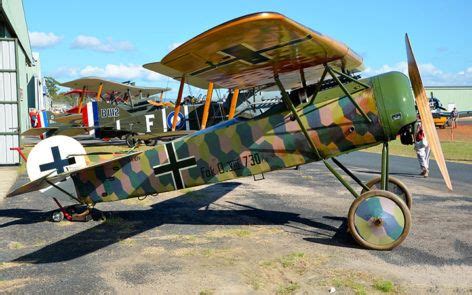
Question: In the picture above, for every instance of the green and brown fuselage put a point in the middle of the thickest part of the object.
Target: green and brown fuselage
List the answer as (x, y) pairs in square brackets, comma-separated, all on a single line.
[(239, 148)]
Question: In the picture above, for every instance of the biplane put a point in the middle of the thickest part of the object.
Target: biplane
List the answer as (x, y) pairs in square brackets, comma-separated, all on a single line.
[(343, 113), (114, 110), (128, 112)]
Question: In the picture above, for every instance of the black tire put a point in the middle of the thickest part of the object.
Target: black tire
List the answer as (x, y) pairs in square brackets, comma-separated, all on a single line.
[(394, 186), (130, 141), (379, 220), (57, 216)]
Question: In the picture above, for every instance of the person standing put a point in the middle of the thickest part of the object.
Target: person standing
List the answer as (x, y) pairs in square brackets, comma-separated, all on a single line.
[(453, 117), (422, 149)]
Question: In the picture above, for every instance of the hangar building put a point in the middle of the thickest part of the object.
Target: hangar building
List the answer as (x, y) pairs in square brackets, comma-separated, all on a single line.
[(20, 79)]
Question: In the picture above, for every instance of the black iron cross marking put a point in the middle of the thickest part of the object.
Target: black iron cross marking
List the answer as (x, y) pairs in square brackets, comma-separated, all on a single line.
[(244, 53), (174, 166), (57, 163)]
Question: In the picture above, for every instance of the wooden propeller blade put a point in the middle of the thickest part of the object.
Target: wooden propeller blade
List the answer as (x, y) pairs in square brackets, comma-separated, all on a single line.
[(425, 113)]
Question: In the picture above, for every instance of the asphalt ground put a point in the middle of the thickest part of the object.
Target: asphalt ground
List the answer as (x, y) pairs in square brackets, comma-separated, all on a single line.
[(285, 234)]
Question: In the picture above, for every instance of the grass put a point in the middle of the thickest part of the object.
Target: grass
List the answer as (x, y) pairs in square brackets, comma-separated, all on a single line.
[(384, 286), (15, 245), (356, 286), (287, 289), (297, 262), (359, 282), (255, 282), (291, 259), (229, 233), (458, 151)]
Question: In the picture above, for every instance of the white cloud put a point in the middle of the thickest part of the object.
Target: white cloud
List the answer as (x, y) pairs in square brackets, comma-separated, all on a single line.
[(64, 72), (117, 72), (430, 74), (174, 45), (43, 40), (108, 45)]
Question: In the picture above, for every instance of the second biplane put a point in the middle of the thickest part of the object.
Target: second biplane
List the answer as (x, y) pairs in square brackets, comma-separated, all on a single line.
[(342, 114)]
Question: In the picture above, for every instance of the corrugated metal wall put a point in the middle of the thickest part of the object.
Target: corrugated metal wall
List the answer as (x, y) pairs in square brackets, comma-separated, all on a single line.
[(460, 96), (8, 103)]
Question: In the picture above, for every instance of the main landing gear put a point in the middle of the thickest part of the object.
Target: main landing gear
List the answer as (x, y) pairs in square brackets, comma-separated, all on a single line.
[(77, 212), (380, 217)]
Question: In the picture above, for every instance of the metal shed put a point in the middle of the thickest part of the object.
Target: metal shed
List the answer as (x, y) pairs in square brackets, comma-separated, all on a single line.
[(9, 127), (19, 79)]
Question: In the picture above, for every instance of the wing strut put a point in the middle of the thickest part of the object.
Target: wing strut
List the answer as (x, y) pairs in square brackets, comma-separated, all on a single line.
[(63, 191), (99, 92), (291, 107), (178, 102), (81, 100), (206, 108), (341, 85), (318, 85), (234, 100)]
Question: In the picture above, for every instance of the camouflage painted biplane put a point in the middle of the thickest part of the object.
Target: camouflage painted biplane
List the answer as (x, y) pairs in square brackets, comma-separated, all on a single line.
[(342, 114)]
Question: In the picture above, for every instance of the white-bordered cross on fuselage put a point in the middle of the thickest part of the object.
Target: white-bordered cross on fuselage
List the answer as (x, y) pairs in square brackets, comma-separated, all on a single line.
[(174, 166), (58, 164)]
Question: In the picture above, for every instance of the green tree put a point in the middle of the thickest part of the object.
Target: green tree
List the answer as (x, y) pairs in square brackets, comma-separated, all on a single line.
[(52, 86)]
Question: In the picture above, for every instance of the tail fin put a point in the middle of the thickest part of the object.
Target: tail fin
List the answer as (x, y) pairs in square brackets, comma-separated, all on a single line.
[(100, 114), (53, 156), (40, 120), (35, 119)]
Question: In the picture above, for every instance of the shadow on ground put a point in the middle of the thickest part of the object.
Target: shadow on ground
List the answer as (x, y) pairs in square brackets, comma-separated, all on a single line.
[(190, 208)]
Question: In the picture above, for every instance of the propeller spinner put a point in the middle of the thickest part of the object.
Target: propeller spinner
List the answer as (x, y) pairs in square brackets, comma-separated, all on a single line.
[(425, 113)]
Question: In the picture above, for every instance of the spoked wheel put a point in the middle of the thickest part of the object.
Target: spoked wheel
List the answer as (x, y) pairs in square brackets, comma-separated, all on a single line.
[(395, 186), (379, 220), (130, 141), (57, 216)]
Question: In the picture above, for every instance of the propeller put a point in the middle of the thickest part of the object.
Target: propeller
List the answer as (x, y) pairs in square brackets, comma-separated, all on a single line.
[(427, 122)]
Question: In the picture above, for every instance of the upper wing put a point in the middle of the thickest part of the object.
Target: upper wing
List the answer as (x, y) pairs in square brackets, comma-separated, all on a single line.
[(46, 181), (246, 52), (92, 83)]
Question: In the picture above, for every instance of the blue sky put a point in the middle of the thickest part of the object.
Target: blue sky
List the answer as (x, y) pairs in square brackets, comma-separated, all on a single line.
[(114, 38)]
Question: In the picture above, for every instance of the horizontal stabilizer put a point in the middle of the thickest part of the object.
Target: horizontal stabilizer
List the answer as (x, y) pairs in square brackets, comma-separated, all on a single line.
[(73, 131), (46, 181), (38, 131), (34, 185)]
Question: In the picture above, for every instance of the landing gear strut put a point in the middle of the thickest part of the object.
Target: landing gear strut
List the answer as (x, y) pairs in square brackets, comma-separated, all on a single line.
[(378, 219)]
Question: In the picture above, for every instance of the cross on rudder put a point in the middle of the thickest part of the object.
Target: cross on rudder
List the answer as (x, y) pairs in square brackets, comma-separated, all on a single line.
[(58, 164)]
